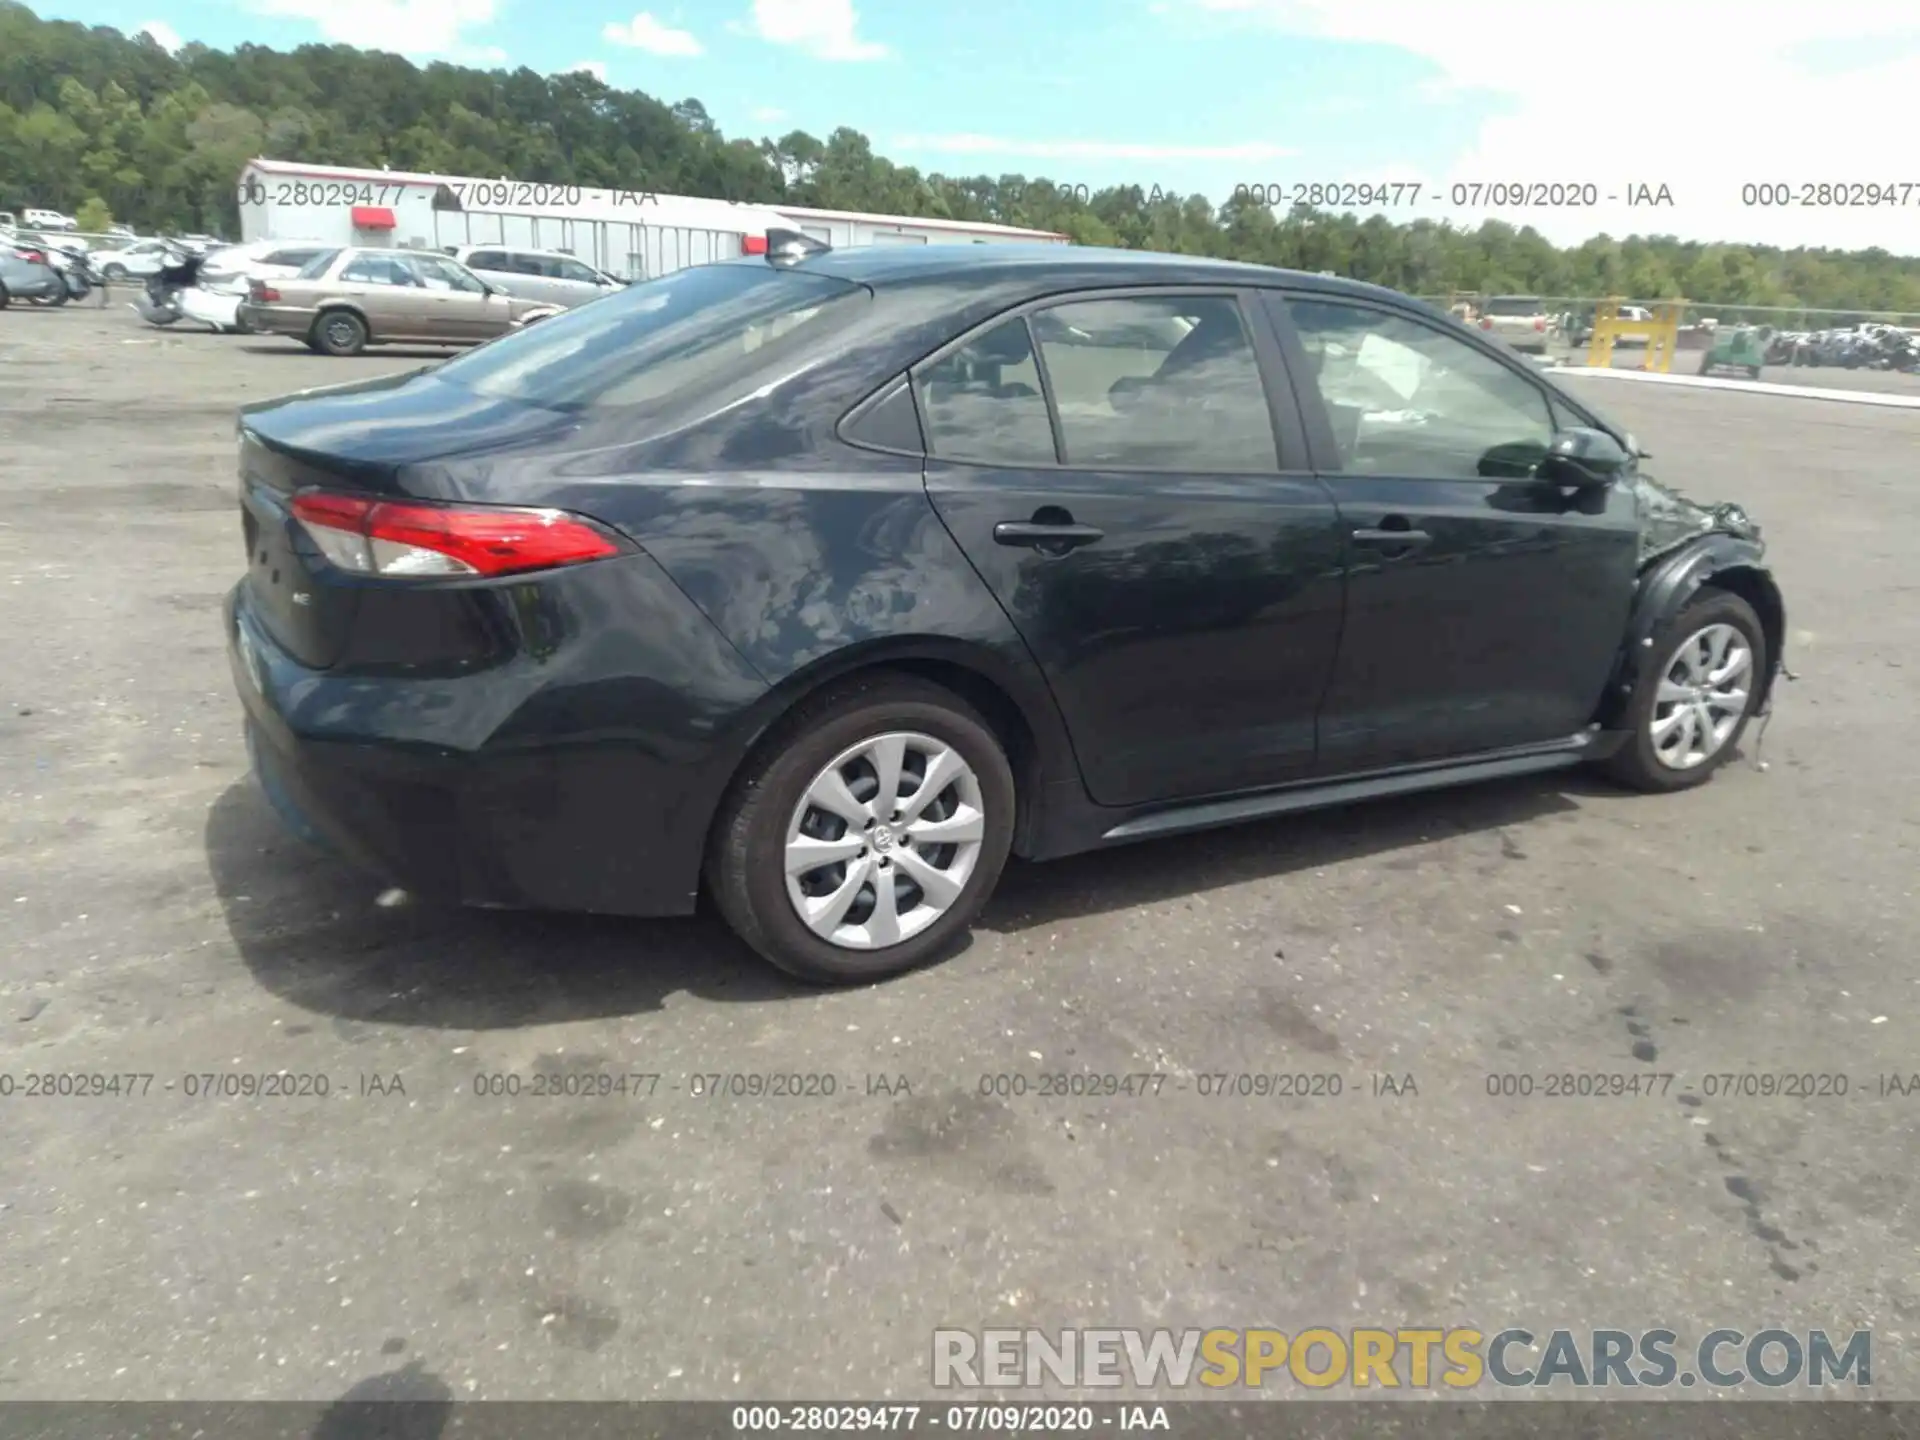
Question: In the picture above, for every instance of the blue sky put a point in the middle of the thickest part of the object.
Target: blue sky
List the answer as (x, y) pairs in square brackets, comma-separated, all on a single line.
[(1209, 94)]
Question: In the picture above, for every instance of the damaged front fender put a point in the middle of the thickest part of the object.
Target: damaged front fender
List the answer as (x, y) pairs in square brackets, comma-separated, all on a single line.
[(1726, 553)]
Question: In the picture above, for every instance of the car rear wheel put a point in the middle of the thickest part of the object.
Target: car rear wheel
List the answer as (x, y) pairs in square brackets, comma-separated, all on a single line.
[(1689, 710), (339, 332), (866, 833), (115, 273)]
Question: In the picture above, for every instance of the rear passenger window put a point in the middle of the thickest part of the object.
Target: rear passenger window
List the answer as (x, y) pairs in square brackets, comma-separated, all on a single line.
[(1166, 383), (378, 270), (486, 260), (982, 402)]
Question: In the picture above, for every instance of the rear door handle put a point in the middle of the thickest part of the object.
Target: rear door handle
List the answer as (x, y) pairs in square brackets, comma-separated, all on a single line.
[(1040, 536), (1392, 539)]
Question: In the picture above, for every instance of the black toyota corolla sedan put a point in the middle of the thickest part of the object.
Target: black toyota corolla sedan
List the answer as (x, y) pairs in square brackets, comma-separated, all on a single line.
[(826, 580)]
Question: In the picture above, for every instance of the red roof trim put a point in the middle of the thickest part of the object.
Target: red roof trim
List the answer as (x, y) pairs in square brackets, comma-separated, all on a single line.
[(373, 217)]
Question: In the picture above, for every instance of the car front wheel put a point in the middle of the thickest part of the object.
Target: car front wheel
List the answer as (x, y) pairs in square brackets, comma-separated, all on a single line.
[(866, 833), (1691, 705)]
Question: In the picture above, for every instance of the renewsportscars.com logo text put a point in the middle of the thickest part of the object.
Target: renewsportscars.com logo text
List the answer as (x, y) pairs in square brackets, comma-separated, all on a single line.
[(1381, 1359)]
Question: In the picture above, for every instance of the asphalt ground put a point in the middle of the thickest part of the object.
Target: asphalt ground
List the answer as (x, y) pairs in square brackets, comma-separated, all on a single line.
[(155, 921)]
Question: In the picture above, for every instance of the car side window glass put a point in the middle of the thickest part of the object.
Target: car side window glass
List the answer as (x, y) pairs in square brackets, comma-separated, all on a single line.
[(486, 260), (573, 270), (983, 402), (1160, 382), (440, 275), (377, 270), (1407, 399)]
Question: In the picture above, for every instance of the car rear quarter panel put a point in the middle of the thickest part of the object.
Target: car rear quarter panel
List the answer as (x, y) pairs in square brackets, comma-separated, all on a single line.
[(810, 556)]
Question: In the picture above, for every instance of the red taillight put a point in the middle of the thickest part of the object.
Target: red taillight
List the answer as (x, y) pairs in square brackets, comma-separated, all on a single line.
[(1487, 323), (753, 244), (1540, 324), (383, 537), (32, 257), (260, 290)]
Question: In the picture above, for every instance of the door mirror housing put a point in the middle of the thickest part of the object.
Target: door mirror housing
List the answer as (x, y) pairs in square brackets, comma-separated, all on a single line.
[(1585, 458)]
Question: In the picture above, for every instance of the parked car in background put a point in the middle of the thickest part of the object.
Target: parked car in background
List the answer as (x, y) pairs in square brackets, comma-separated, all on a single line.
[(26, 275), (228, 269), (48, 220), (1521, 320), (346, 300), (545, 275), (221, 277), (122, 232), (821, 582), (131, 262)]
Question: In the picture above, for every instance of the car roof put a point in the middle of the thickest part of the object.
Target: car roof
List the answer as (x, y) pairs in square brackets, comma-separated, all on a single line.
[(1064, 266)]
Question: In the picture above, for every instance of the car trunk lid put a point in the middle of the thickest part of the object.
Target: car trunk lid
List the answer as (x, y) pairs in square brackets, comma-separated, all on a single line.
[(366, 437)]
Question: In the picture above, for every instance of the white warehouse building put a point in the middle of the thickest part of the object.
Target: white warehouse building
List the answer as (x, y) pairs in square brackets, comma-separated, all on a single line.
[(630, 233)]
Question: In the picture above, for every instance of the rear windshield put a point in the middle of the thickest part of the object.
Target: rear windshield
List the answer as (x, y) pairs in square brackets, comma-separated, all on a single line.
[(318, 265), (1512, 305), (700, 328)]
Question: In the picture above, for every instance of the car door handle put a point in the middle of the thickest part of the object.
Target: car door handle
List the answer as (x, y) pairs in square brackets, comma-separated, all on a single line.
[(1387, 539), (1039, 535)]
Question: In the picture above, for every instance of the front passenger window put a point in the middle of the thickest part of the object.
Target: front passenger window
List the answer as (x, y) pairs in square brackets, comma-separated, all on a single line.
[(1407, 399), (983, 402)]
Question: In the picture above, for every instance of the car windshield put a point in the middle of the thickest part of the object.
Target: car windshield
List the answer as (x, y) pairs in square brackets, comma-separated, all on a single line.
[(1512, 305), (318, 266), (694, 329)]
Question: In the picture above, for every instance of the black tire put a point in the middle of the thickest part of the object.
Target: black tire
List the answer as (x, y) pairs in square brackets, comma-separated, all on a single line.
[(4, 297), (115, 273), (745, 867), (1635, 764), (338, 332), (1753, 372), (1706, 363)]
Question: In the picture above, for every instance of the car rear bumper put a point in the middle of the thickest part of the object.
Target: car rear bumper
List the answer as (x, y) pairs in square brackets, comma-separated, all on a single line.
[(569, 817)]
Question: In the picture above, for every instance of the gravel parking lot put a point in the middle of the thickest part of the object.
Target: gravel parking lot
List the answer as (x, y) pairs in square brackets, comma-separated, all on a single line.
[(156, 921)]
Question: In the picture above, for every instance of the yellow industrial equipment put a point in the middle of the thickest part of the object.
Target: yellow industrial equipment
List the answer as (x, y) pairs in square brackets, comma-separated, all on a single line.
[(1662, 332)]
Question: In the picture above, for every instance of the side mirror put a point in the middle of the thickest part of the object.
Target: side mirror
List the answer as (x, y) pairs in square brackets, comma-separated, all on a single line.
[(1585, 458)]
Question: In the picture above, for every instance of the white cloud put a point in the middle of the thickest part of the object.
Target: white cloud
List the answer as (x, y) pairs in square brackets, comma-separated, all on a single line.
[(1695, 101), (768, 114), (643, 32), (405, 27), (1087, 149), (595, 68), (824, 29), (164, 35)]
